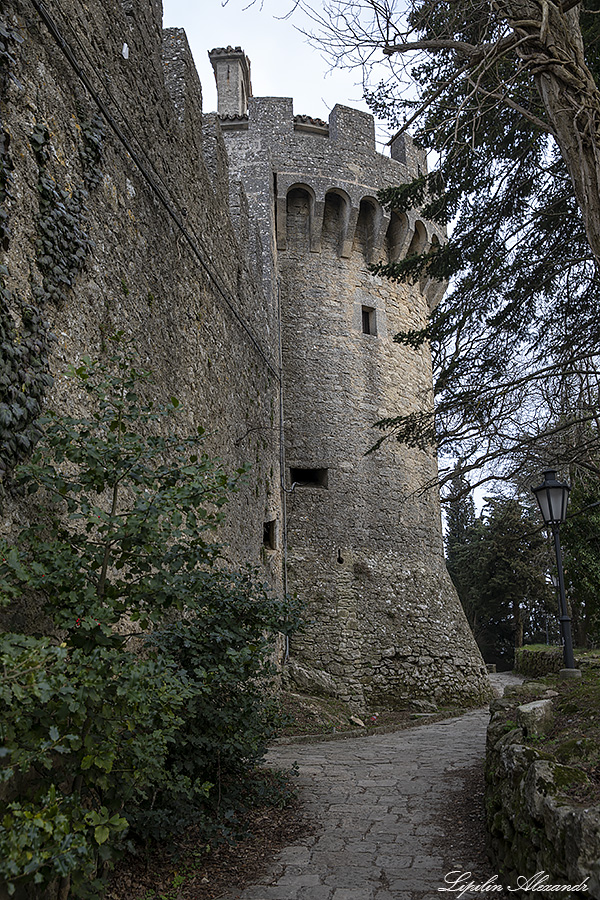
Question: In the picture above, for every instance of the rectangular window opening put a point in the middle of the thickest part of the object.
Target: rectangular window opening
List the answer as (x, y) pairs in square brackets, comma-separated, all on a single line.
[(270, 534), (368, 320), (310, 477)]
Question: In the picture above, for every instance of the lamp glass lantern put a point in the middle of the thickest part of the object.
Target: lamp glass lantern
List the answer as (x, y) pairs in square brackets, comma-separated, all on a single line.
[(552, 496)]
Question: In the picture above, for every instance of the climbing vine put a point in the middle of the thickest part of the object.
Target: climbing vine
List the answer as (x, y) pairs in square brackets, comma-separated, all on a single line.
[(92, 133), (8, 38), (61, 247), (6, 167), (62, 244), (24, 377), (24, 335)]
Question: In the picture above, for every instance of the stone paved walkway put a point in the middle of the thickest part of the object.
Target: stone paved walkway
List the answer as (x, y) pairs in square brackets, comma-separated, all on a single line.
[(376, 800)]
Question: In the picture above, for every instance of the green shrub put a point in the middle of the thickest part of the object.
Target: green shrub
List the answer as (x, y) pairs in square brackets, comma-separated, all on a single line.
[(102, 742), (224, 651)]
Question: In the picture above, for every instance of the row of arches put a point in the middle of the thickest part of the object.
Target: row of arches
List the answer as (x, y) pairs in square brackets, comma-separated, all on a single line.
[(334, 225)]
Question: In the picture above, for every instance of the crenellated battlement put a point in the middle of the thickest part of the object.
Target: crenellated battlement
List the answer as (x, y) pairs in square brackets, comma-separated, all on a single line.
[(327, 176)]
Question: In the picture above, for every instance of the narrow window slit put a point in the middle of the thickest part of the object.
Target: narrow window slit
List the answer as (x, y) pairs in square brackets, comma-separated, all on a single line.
[(309, 477), (368, 320)]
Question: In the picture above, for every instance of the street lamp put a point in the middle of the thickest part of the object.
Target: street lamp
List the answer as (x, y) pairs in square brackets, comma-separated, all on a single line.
[(552, 496)]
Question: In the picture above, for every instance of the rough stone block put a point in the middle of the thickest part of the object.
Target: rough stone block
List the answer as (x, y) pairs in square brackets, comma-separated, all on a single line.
[(535, 717)]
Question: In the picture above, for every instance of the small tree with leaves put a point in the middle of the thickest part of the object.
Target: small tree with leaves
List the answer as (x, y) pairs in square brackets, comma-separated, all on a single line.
[(102, 741)]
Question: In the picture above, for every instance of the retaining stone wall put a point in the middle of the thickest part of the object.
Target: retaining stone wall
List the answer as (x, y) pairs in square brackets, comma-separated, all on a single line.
[(538, 662), (531, 828)]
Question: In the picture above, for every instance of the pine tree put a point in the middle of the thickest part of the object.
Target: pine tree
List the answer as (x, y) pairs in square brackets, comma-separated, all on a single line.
[(518, 330), (498, 563)]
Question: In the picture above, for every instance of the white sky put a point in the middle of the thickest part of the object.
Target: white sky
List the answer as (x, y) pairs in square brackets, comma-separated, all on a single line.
[(283, 64)]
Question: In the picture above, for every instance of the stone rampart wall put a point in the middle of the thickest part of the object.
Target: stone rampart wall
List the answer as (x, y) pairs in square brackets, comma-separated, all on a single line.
[(206, 240), (161, 256)]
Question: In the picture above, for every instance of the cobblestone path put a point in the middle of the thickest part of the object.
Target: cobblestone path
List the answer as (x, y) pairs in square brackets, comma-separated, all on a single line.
[(377, 801)]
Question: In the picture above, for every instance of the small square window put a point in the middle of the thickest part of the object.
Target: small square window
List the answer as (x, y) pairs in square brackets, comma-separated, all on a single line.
[(310, 477), (368, 320)]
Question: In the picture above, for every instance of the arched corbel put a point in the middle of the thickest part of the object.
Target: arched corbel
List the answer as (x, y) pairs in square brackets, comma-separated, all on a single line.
[(419, 242), (283, 218), (348, 229), (398, 236), (375, 234)]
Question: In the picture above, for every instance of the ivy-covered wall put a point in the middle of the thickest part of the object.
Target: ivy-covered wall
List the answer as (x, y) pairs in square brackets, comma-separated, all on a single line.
[(111, 219)]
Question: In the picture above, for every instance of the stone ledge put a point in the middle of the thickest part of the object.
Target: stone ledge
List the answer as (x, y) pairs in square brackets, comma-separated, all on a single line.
[(417, 720)]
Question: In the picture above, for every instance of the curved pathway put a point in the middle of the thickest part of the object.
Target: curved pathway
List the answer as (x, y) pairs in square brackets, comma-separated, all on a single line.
[(377, 801)]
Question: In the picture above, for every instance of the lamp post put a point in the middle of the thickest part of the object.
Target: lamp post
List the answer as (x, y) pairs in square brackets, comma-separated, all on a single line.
[(552, 496)]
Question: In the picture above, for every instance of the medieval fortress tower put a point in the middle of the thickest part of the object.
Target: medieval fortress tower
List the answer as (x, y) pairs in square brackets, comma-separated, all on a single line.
[(234, 248)]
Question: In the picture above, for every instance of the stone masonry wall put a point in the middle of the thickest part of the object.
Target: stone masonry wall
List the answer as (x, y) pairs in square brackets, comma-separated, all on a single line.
[(221, 264), (198, 314), (364, 543), (531, 827), (539, 662)]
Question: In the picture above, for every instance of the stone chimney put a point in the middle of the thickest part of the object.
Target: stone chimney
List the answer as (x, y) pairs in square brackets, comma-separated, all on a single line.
[(232, 74)]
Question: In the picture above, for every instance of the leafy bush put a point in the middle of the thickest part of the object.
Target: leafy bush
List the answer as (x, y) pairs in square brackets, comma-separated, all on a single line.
[(142, 707), (224, 651)]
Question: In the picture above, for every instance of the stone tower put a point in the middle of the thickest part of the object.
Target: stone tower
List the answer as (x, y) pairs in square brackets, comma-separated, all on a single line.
[(363, 544)]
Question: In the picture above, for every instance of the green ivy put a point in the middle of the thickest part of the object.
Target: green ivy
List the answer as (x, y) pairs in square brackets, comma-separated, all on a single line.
[(6, 167), (92, 132), (62, 245), (110, 735), (24, 376), (9, 37), (23, 347)]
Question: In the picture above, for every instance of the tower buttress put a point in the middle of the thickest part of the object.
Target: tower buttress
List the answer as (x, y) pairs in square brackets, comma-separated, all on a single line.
[(364, 546), (232, 74)]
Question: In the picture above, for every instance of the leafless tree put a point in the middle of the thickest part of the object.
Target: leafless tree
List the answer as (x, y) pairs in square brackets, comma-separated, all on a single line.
[(487, 38)]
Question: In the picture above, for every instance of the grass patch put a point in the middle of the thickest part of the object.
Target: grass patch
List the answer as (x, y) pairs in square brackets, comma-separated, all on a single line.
[(580, 652)]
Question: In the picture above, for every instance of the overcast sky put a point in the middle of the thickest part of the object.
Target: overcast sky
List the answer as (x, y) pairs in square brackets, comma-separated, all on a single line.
[(283, 64)]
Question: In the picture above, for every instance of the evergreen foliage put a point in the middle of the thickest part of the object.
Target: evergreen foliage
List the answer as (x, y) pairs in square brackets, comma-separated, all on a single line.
[(580, 538), (142, 702), (498, 563), (515, 339), (518, 328)]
